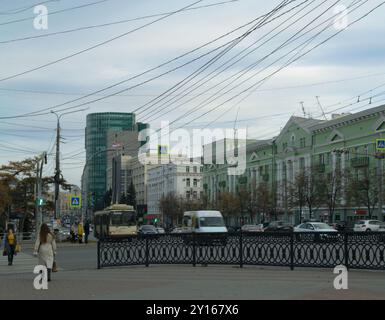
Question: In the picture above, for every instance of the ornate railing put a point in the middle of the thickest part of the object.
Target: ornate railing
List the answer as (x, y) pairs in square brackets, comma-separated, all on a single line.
[(354, 250)]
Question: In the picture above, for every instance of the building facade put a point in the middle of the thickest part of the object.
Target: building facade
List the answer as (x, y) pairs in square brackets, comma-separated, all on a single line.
[(335, 151), (184, 180), (99, 127)]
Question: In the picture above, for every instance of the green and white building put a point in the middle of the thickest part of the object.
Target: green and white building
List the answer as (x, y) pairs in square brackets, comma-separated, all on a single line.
[(347, 142)]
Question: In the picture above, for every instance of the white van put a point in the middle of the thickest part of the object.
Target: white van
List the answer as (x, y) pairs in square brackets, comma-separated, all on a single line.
[(204, 221)]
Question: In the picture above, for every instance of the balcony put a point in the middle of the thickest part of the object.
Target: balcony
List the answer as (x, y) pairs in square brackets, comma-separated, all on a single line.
[(359, 162)]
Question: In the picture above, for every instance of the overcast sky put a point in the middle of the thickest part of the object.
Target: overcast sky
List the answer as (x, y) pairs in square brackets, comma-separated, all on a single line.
[(348, 65)]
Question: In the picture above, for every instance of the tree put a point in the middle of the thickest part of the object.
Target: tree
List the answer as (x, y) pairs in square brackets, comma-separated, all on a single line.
[(170, 206), (264, 203), (330, 188), (362, 189), (123, 199), (107, 199), (228, 204), (131, 195), (305, 191), (22, 175)]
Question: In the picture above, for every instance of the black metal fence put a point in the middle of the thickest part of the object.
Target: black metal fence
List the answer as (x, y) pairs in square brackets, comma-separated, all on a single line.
[(354, 250)]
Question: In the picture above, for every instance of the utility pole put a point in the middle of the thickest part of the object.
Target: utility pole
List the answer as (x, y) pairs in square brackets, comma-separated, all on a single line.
[(58, 176), (57, 167), (39, 191)]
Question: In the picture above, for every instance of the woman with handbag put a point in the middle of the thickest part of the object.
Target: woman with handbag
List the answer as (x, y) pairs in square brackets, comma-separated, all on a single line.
[(45, 248), (9, 244)]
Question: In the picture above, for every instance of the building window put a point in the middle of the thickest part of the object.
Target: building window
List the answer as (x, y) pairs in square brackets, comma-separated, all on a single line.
[(188, 182), (188, 195), (195, 183), (195, 195), (292, 140), (187, 169), (302, 163), (201, 169), (302, 142), (284, 145), (195, 169)]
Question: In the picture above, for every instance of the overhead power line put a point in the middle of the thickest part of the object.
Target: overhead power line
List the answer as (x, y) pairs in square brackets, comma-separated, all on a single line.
[(96, 45), (42, 111), (54, 12), (286, 64), (102, 25), (25, 8)]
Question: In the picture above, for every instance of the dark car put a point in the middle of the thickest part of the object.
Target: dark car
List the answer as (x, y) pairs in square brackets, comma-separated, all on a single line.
[(279, 226), (343, 226), (148, 229)]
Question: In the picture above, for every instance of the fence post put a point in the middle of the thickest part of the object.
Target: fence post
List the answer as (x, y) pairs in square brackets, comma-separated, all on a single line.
[(241, 249), (194, 250), (146, 251), (292, 250), (346, 250), (98, 253)]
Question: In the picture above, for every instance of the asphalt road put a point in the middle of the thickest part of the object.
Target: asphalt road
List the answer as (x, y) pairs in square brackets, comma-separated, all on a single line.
[(78, 278), (73, 256)]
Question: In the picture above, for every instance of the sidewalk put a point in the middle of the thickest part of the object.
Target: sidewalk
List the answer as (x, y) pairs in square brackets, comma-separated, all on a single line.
[(22, 263), (199, 283)]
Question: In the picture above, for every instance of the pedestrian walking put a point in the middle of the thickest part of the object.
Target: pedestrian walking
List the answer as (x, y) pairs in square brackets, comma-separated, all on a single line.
[(45, 248), (73, 233), (86, 231), (80, 232), (9, 245)]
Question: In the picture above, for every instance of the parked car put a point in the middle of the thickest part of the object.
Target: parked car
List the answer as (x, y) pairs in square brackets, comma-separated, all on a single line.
[(279, 226), (252, 228), (62, 234), (233, 229), (160, 230), (321, 231), (314, 227), (147, 229), (367, 225), (178, 230)]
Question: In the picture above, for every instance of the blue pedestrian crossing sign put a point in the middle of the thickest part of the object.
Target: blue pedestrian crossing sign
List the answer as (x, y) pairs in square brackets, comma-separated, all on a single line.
[(76, 202), (380, 144)]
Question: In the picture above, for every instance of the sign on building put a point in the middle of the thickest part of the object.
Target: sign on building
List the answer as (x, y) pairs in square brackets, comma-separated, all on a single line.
[(380, 144)]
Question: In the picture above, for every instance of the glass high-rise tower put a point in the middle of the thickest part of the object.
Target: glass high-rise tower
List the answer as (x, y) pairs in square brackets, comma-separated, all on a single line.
[(98, 124)]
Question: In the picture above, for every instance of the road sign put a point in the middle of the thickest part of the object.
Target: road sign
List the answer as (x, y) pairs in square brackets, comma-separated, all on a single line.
[(162, 150), (76, 202), (380, 144)]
